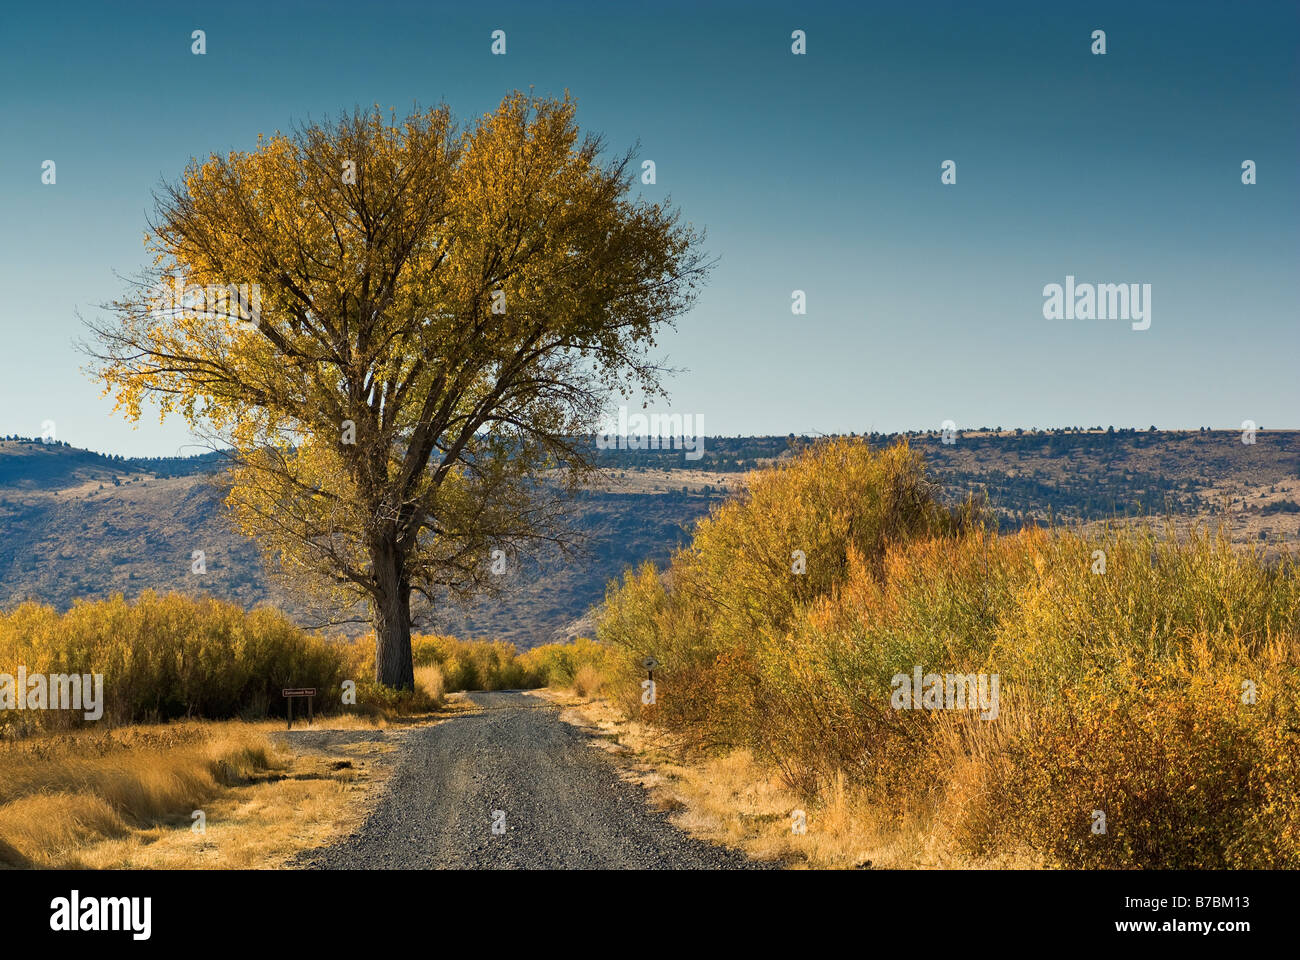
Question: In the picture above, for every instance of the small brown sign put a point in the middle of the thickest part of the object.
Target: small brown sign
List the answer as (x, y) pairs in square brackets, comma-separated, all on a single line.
[(290, 692)]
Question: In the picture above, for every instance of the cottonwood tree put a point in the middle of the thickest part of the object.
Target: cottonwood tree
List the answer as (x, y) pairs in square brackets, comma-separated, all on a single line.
[(434, 317)]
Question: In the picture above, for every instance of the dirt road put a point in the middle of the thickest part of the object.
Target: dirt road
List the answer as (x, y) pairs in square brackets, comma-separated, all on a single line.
[(513, 787)]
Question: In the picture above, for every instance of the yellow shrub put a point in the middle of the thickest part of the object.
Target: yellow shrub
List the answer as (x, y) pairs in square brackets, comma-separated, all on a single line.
[(164, 657), (1121, 658)]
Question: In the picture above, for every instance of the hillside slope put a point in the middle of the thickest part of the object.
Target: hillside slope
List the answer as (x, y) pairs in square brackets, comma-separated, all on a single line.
[(78, 524)]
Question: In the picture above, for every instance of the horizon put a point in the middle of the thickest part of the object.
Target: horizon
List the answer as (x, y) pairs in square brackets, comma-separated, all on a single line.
[(972, 432)]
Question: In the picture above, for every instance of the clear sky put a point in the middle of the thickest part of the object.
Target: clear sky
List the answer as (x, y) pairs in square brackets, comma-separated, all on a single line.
[(818, 172)]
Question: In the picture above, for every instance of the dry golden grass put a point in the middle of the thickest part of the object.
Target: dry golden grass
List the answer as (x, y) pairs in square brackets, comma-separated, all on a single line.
[(124, 798), (734, 801), (588, 680), (660, 481), (429, 679)]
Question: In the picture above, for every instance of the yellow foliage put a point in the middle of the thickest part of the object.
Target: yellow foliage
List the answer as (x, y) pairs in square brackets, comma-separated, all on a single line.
[(165, 657), (1123, 691)]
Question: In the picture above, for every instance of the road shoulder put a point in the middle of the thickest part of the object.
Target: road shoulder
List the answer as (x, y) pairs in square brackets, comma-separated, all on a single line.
[(725, 801)]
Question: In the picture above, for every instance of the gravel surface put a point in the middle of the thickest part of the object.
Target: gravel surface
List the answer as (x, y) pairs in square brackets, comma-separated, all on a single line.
[(564, 804)]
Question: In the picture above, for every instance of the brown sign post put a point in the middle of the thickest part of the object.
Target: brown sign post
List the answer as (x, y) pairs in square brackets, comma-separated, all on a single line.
[(290, 692)]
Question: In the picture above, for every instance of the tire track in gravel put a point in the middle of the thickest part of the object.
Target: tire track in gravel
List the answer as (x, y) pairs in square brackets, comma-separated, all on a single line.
[(565, 805)]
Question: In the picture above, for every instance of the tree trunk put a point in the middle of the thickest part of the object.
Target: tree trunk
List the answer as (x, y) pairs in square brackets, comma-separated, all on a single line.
[(392, 613)]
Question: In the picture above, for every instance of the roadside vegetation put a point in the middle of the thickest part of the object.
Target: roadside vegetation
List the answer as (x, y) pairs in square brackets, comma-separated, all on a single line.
[(127, 797), (174, 656), (192, 715), (166, 657), (1160, 694), (1147, 716)]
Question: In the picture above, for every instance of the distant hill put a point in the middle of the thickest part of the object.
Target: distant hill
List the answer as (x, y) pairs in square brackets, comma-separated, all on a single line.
[(1073, 474), (79, 524), (31, 464), (75, 524)]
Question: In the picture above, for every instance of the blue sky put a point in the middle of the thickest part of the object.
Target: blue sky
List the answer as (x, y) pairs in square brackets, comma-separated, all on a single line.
[(818, 172)]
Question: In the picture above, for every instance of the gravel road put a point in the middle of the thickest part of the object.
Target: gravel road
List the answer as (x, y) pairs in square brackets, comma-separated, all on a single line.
[(563, 802)]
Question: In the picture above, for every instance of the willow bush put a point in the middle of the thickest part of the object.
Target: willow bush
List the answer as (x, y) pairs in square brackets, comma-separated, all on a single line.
[(1160, 693), (169, 656)]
